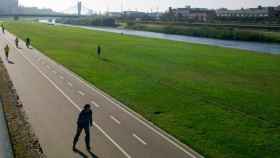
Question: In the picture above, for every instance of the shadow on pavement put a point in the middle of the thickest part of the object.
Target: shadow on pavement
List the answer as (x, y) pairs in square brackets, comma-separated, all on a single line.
[(77, 151), (92, 154)]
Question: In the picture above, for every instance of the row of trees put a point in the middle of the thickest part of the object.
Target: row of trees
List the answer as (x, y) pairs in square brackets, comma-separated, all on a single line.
[(89, 21)]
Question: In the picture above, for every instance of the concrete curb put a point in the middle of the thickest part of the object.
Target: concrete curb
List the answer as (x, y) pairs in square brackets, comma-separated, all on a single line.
[(24, 142), (6, 149)]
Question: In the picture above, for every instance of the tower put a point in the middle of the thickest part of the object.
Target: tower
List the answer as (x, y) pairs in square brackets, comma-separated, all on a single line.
[(79, 8)]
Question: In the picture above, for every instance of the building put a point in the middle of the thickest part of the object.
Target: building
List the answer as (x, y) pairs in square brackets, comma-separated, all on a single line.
[(183, 12), (197, 14), (154, 15), (277, 11), (260, 12), (115, 14), (134, 14), (8, 6)]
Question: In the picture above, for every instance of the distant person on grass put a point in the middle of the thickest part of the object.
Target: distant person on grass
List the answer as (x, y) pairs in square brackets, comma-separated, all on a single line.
[(3, 28), (28, 42), (84, 123), (7, 51), (16, 42), (99, 50)]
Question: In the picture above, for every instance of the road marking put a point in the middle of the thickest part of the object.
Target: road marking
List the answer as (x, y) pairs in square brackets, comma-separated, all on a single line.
[(77, 107), (120, 106), (54, 72), (114, 119), (70, 84), (81, 93), (95, 104), (139, 139), (61, 77)]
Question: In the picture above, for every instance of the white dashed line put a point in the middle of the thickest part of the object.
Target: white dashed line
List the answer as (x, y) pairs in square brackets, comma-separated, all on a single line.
[(114, 119), (139, 139), (95, 104), (70, 84), (81, 93)]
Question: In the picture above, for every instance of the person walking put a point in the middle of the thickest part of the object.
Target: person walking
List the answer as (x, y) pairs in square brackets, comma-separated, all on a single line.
[(3, 28), (7, 51), (16, 42), (84, 123), (28, 42), (99, 50)]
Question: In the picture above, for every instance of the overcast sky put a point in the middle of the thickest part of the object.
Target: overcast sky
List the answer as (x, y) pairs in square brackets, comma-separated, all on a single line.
[(146, 5)]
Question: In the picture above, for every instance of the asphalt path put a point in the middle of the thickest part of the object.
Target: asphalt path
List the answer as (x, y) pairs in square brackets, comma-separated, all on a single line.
[(53, 97)]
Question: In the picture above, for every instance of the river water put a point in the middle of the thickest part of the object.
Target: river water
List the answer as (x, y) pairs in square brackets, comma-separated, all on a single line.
[(252, 46)]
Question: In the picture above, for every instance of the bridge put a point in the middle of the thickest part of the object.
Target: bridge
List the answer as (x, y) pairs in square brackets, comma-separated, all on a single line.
[(75, 11)]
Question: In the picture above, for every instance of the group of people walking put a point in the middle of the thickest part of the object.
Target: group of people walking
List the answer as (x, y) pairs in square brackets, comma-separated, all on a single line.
[(7, 48), (85, 117)]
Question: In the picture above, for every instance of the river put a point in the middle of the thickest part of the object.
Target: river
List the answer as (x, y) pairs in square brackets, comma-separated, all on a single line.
[(252, 46)]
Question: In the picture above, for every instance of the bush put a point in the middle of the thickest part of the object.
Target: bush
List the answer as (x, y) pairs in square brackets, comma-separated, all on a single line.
[(96, 21), (211, 32)]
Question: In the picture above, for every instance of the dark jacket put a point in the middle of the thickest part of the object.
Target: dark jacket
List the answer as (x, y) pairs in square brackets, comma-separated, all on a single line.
[(85, 119)]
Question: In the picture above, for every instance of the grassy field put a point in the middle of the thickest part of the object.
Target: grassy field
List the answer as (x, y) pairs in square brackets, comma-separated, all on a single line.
[(222, 102)]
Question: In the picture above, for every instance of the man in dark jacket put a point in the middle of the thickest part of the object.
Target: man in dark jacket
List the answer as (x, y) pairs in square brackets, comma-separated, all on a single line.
[(28, 42), (3, 28), (84, 122)]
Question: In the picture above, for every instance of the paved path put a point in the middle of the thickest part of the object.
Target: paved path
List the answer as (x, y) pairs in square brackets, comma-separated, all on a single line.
[(53, 96), (5, 145)]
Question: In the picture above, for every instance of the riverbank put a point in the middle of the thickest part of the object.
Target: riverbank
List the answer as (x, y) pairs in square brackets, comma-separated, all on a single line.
[(23, 140), (250, 46), (222, 102), (226, 33)]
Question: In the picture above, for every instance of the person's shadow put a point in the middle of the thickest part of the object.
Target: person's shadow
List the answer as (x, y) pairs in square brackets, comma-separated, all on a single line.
[(92, 154), (84, 155)]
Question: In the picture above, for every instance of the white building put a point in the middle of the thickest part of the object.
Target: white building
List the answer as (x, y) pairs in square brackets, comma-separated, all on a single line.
[(247, 13)]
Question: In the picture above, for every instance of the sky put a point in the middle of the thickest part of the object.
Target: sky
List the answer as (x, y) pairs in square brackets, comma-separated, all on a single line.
[(146, 5)]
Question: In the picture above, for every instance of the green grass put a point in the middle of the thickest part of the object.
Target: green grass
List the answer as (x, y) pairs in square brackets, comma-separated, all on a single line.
[(222, 102)]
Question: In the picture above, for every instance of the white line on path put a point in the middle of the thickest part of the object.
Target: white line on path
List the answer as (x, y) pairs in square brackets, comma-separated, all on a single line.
[(81, 93), (116, 120), (76, 106), (139, 139), (95, 104), (70, 84)]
